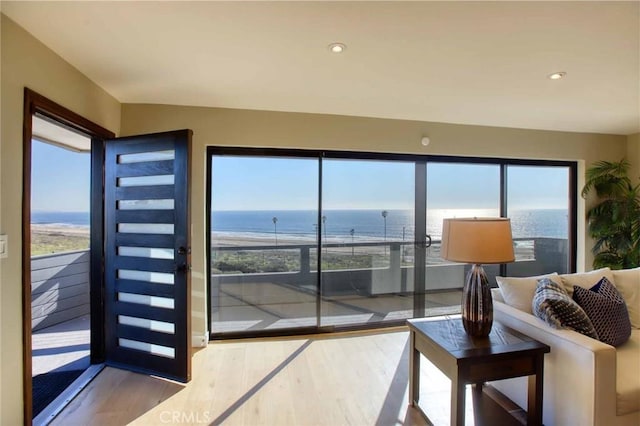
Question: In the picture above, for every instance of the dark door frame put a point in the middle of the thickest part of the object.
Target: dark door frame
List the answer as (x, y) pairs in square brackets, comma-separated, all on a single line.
[(35, 103)]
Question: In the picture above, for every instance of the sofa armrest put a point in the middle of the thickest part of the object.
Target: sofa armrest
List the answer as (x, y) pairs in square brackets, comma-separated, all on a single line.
[(579, 372)]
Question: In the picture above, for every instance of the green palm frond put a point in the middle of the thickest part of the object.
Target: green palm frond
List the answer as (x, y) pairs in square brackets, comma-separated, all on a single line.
[(605, 258), (607, 178), (614, 222)]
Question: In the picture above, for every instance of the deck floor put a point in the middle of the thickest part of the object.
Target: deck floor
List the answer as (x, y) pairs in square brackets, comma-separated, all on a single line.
[(61, 347), (268, 306)]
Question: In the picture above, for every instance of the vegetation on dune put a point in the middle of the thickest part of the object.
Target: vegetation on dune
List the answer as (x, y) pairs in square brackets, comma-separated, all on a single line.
[(260, 261), (253, 261), (333, 261), (48, 243)]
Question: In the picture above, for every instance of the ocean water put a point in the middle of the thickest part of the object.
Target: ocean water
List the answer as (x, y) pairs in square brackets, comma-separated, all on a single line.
[(60, 218), (338, 224), (343, 225)]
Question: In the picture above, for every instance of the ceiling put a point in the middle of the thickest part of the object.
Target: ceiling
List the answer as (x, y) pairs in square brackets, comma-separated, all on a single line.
[(480, 63)]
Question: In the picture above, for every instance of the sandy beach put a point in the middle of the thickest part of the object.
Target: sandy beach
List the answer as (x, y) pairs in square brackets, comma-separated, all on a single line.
[(38, 228)]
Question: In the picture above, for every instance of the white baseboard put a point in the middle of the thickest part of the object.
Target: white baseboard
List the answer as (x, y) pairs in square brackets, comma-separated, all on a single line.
[(200, 340)]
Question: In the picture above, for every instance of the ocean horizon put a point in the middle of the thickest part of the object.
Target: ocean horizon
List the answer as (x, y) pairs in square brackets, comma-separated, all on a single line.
[(60, 218), (346, 225)]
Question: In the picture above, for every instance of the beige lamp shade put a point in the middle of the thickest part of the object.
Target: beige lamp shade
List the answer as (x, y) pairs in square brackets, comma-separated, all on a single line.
[(477, 240)]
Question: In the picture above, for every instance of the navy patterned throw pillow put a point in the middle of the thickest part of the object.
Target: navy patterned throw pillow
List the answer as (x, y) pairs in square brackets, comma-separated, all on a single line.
[(553, 304), (607, 311)]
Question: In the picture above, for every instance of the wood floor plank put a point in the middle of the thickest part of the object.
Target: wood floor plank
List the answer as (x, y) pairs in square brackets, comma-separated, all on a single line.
[(342, 379)]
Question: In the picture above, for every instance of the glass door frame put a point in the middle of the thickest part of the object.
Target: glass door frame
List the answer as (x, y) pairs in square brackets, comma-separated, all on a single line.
[(260, 152)]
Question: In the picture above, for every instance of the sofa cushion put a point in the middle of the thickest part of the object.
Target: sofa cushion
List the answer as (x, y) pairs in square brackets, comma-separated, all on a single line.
[(607, 311), (627, 281), (627, 377), (585, 279), (518, 292), (552, 304)]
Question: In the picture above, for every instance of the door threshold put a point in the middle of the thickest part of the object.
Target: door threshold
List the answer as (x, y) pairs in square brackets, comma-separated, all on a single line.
[(47, 415)]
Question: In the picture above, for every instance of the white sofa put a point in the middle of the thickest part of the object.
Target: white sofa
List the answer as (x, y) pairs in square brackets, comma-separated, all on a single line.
[(586, 382)]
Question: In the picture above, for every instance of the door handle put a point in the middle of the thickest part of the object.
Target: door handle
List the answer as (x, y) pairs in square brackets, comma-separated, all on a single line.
[(426, 243), (182, 267)]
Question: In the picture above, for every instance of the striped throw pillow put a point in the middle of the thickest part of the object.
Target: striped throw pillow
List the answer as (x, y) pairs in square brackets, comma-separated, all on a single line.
[(553, 304)]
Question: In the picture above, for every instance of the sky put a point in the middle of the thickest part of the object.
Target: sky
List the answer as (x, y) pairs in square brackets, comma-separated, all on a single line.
[(258, 183), (60, 179), (60, 182)]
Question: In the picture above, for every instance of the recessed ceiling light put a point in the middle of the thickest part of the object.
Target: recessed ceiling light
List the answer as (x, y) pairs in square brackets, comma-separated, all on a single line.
[(337, 47), (557, 75)]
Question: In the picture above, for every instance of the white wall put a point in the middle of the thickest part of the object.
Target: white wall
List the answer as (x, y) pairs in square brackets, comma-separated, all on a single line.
[(229, 127), (25, 62)]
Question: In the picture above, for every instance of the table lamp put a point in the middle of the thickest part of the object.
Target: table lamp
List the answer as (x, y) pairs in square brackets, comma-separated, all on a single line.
[(477, 241)]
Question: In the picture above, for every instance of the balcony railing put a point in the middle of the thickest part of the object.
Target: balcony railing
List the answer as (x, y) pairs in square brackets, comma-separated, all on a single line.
[(390, 269), (60, 282), (59, 288)]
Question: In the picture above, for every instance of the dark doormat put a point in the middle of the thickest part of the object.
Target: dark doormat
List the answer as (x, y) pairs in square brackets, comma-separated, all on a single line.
[(46, 387)]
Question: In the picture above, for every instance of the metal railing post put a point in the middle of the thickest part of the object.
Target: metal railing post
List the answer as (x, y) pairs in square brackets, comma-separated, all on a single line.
[(395, 265), (305, 262)]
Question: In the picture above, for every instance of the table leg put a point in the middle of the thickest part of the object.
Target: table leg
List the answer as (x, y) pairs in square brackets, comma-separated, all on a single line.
[(414, 371), (534, 403), (457, 401)]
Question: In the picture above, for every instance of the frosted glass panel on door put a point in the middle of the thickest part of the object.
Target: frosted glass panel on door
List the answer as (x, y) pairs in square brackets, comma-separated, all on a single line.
[(148, 252), (164, 204), (146, 180), (152, 277), (147, 324), (148, 347), (143, 299), (146, 156), (145, 228)]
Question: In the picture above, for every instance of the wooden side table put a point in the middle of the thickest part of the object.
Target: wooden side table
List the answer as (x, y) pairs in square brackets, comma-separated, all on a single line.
[(504, 354)]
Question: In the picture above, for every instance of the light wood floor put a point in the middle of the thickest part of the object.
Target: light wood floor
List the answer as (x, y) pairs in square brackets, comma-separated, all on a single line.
[(346, 379)]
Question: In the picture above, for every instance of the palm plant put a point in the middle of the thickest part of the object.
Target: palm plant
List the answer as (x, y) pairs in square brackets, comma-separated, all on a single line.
[(275, 228), (352, 232), (384, 214), (324, 226), (614, 222)]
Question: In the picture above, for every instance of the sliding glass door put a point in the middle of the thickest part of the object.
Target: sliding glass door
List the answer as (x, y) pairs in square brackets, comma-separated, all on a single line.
[(307, 241), (539, 210), (455, 190), (263, 243), (367, 241)]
